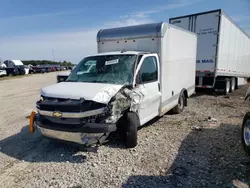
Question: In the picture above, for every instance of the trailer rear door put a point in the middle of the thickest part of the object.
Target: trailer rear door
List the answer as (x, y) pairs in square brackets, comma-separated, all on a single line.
[(206, 26)]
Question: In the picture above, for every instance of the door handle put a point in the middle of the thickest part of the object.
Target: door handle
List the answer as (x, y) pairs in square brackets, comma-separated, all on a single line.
[(159, 87)]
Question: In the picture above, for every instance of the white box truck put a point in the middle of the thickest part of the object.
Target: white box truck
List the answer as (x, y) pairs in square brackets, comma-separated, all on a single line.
[(140, 72), (223, 52)]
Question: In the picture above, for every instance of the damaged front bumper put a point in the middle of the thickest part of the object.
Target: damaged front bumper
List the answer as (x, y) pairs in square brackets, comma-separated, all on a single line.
[(87, 134)]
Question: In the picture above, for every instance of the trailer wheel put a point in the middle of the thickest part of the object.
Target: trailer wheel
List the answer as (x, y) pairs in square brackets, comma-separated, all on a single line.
[(227, 87), (131, 125), (180, 106), (245, 133), (232, 85)]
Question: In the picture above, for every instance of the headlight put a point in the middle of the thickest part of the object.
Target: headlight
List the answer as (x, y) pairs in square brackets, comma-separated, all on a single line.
[(41, 98), (39, 101)]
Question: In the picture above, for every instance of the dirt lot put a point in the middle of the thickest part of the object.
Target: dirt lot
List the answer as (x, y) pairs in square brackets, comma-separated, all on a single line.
[(177, 150)]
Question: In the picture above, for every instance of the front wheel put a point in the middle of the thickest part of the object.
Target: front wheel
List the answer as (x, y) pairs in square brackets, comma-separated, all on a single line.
[(131, 126), (245, 133)]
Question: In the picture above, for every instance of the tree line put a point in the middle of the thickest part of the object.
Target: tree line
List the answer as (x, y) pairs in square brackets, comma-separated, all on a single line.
[(46, 62)]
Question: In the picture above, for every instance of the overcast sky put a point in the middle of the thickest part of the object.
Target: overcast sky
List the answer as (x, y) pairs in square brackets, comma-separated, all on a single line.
[(32, 29)]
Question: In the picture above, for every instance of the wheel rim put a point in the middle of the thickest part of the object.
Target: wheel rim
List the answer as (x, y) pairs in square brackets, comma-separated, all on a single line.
[(228, 87), (233, 84), (247, 133)]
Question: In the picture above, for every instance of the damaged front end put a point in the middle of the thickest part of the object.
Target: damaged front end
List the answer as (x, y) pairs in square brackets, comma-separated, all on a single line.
[(82, 121), (125, 99), (77, 121)]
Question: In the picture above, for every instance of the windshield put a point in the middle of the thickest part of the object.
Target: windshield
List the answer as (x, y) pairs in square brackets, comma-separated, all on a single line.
[(112, 69)]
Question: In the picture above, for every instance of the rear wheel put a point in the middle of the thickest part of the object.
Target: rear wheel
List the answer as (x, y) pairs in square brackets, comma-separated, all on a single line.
[(227, 87), (131, 125), (232, 84), (245, 133), (180, 106)]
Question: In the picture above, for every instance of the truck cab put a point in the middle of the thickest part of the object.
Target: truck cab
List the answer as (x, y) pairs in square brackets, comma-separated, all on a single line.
[(120, 82), (118, 88)]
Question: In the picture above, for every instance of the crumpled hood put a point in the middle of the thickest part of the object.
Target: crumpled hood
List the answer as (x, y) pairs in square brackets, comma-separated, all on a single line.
[(98, 92)]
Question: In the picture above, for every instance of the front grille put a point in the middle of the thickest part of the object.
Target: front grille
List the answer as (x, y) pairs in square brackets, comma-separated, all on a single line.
[(68, 105), (62, 106), (73, 121), (68, 123)]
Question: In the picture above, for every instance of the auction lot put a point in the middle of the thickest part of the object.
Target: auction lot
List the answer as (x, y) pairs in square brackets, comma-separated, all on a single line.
[(185, 150)]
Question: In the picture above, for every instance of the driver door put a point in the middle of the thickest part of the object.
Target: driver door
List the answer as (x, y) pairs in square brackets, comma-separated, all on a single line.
[(148, 82)]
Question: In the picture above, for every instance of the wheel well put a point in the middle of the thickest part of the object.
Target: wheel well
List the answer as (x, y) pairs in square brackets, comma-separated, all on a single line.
[(121, 121)]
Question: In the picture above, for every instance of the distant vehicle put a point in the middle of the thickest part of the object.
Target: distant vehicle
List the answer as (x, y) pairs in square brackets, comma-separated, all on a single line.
[(2, 72), (38, 69), (2, 69), (31, 70), (223, 60), (139, 73), (15, 67), (45, 68), (57, 67), (62, 77)]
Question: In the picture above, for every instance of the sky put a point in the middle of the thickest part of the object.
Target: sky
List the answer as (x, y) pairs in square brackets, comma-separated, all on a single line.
[(66, 30)]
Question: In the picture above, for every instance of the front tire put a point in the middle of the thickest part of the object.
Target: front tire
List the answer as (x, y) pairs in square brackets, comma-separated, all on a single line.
[(245, 133), (131, 126)]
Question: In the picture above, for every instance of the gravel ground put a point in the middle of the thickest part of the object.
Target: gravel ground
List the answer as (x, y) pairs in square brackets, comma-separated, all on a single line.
[(184, 150)]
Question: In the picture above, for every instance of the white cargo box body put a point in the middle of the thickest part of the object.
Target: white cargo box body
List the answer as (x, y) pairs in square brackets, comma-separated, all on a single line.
[(223, 47), (175, 47)]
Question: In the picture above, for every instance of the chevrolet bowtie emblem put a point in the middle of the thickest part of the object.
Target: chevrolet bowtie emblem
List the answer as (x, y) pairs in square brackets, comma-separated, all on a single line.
[(57, 114)]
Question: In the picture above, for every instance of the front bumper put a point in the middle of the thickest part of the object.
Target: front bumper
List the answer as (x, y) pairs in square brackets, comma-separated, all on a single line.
[(89, 133)]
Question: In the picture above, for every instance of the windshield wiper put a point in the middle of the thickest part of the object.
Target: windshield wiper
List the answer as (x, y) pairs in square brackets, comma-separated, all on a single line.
[(101, 81), (71, 81)]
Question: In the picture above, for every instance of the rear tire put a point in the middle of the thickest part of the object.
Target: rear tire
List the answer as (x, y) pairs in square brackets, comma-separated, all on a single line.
[(245, 133), (180, 106), (232, 84), (227, 87), (131, 125)]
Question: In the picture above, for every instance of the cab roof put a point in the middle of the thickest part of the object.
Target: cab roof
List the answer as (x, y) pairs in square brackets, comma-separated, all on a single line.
[(121, 53)]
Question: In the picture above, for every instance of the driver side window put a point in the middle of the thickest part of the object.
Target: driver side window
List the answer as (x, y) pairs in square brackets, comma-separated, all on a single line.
[(148, 71)]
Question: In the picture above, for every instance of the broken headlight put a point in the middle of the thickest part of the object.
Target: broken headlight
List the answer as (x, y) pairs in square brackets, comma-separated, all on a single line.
[(100, 117), (39, 101)]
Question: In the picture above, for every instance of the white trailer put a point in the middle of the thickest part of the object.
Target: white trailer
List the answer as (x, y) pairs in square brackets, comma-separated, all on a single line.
[(223, 52), (139, 73)]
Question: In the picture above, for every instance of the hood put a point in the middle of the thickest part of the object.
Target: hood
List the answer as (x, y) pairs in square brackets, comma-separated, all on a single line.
[(98, 92)]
